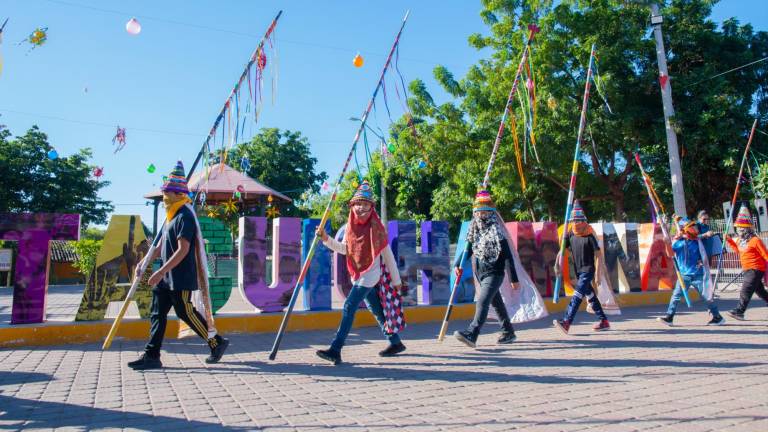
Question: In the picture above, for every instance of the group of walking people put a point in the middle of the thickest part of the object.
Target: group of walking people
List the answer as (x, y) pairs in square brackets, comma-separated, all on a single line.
[(501, 283)]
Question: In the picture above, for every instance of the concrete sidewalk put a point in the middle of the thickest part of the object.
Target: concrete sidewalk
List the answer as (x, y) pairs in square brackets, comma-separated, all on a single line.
[(639, 376)]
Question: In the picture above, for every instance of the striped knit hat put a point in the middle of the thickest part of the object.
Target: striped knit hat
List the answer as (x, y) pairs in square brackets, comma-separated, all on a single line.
[(483, 202), (577, 214), (363, 193), (177, 180), (744, 218)]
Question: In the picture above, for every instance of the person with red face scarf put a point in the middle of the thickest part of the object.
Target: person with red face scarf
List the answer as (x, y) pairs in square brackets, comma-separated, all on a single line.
[(370, 262)]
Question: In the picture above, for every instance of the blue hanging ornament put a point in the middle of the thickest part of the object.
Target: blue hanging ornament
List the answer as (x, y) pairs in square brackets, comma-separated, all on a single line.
[(422, 164)]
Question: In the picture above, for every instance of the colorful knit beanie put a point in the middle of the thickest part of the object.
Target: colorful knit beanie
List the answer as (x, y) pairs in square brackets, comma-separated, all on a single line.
[(177, 180), (577, 214), (744, 218), (483, 202), (363, 193)]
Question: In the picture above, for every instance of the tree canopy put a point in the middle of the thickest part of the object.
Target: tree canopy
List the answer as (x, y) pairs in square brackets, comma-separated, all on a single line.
[(712, 119), (32, 182)]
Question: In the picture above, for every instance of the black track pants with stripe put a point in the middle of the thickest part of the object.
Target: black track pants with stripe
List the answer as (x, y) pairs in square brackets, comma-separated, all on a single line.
[(162, 301)]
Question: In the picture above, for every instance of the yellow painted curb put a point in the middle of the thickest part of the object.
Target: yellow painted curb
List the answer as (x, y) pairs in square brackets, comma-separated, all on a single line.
[(64, 333)]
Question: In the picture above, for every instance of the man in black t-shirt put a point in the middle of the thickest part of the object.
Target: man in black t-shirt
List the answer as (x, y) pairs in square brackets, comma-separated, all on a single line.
[(175, 281), (580, 240)]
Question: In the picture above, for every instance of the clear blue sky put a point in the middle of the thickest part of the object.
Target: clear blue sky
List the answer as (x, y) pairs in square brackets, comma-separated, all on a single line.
[(174, 78)]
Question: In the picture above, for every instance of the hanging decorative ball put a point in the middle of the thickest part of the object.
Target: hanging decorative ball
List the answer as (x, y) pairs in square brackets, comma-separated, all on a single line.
[(98, 171), (236, 195), (240, 188), (391, 148), (270, 199), (53, 154), (325, 186), (422, 164), (151, 168), (165, 179), (133, 27), (358, 61)]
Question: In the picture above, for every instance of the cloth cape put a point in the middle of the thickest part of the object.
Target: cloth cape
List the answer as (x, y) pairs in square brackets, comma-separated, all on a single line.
[(201, 298), (523, 304)]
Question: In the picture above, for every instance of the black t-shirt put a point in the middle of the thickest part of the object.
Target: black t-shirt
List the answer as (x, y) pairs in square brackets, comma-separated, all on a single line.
[(583, 252), (485, 268), (184, 275)]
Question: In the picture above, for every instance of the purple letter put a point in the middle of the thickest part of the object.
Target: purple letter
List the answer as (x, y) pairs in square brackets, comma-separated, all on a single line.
[(33, 232), (286, 261)]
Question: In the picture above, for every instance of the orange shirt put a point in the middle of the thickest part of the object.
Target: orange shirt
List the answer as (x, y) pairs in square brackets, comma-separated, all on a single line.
[(754, 256)]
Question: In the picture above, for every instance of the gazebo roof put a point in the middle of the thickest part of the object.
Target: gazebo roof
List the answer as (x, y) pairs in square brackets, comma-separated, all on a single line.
[(223, 181)]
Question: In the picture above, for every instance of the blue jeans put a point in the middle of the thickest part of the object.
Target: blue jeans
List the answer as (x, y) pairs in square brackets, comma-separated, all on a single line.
[(356, 295), (697, 282), (584, 289)]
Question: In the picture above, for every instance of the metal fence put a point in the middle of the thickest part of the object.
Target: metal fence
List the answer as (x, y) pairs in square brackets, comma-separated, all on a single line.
[(731, 266)]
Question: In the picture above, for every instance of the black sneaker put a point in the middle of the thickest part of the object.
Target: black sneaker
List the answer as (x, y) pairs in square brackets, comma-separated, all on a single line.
[(330, 355), (392, 350), (666, 320), (736, 315), (466, 338), (716, 321), (146, 362), (507, 337), (218, 351)]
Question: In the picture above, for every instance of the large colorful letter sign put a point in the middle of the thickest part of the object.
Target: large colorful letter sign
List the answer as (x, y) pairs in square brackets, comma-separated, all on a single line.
[(537, 246), (123, 247), (286, 261), (433, 261), (33, 232), (622, 255), (316, 288), (465, 292)]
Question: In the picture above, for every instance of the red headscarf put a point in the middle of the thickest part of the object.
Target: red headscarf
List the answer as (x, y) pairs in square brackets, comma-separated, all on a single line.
[(365, 239)]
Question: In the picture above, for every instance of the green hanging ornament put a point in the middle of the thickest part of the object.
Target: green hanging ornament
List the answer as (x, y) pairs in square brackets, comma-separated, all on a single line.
[(151, 168)]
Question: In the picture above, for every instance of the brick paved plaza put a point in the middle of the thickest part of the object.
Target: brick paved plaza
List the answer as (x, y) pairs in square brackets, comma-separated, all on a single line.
[(641, 376)]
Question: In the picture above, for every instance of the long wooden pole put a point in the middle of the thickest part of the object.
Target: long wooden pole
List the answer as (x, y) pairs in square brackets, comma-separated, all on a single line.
[(574, 171), (729, 221), (326, 213), (532, 30), (134, 285)]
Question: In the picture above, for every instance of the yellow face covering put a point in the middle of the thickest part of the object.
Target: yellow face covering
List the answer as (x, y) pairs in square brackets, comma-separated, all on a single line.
[(174, 206)]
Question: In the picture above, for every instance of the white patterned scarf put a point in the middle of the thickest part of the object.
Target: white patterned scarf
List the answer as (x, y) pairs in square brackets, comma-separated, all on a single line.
[(486, 236)]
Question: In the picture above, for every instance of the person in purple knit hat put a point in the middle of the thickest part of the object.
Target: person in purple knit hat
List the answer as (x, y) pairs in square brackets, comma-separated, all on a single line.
[(178, 282)]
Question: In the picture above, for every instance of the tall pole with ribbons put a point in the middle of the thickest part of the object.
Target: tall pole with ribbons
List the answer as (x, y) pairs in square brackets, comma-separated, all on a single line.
[(661, 217), (574, 171), (326, 213), (729, 221), (220, 117), (532, 30)]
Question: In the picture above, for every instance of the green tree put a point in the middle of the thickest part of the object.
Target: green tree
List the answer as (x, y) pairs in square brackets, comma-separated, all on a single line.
[(86, 250), (281, 160), (31, 182), (712, 117)]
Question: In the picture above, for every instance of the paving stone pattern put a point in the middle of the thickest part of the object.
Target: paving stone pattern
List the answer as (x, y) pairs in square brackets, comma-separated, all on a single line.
[(639, 377)]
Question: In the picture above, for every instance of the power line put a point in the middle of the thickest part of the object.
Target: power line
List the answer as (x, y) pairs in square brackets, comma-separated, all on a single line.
[(727, 72), (233, 32)]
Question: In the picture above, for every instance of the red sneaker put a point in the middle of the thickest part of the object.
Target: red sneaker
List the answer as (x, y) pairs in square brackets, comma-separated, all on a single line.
[(602, 325), (563, 326)]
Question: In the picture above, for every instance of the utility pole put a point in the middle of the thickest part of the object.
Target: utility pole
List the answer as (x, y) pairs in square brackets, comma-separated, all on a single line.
[(678, 193)]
